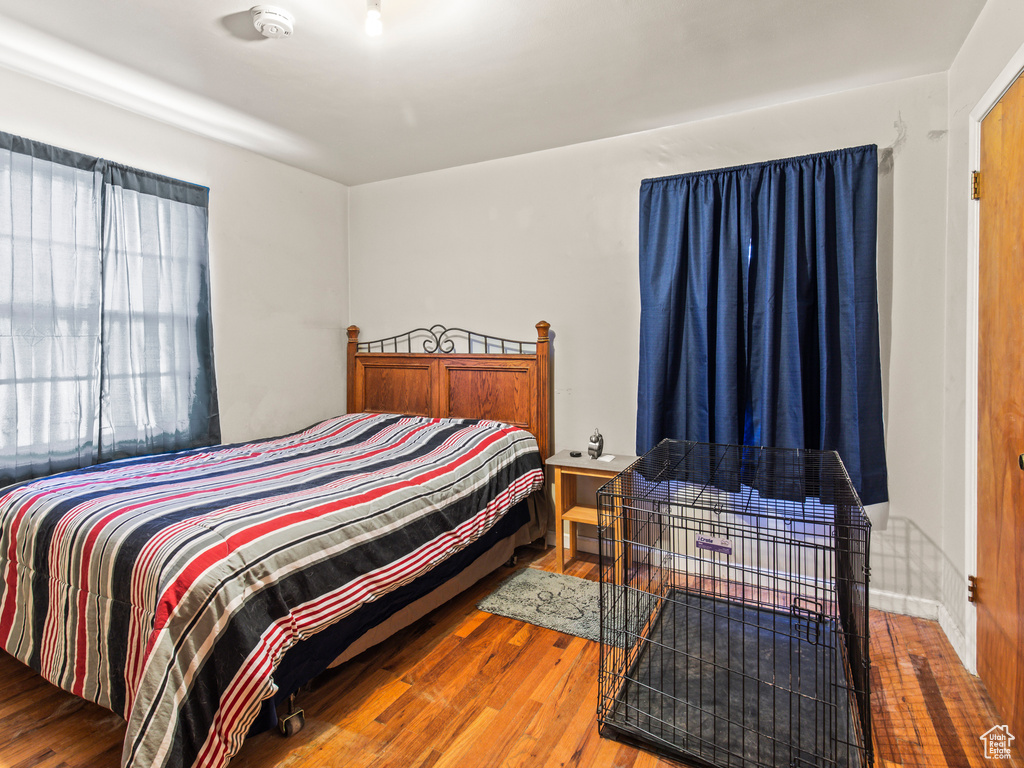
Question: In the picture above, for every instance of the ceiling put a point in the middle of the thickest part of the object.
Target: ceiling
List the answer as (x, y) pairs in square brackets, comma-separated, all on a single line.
[(452, 82)]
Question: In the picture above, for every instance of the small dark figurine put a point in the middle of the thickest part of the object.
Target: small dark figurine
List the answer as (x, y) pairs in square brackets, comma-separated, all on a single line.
[(596, 444)]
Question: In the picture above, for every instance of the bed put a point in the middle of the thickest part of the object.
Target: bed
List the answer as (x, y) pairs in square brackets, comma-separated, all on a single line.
[(191, 592)]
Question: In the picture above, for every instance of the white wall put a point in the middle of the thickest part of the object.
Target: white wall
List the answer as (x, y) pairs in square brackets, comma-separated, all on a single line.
[(996, 38), (553, 235), (278, 251)]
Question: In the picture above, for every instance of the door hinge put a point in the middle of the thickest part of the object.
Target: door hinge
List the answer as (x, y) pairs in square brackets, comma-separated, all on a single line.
[(972, 589), (976, 185)]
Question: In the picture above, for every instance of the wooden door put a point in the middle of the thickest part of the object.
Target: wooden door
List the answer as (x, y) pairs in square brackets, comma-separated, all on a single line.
[(1000, 411)]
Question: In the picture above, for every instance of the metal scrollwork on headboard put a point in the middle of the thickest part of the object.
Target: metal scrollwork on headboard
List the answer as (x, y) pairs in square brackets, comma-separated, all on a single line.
[(439, 339)]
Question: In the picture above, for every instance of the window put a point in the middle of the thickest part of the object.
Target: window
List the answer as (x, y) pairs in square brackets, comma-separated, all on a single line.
[(105, 333)]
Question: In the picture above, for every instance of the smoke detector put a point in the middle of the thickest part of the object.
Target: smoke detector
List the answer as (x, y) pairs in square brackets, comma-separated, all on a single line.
[(271, 21)]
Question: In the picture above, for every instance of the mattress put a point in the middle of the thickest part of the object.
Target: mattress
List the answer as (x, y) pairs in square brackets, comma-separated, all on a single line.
[(169, 588)]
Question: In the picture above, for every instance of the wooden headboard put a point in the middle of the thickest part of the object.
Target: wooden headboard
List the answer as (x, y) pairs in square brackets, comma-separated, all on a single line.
[(511, 384)]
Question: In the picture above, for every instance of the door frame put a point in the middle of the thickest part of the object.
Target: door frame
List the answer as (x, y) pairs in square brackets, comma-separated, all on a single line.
[(1013, 69)]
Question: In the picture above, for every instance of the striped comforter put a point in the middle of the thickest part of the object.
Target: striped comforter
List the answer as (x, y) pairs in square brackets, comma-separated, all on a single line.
[(168, 588)]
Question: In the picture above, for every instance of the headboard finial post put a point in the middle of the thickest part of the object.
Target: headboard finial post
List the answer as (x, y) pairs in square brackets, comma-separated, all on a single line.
[(353, 344), (545, 439)]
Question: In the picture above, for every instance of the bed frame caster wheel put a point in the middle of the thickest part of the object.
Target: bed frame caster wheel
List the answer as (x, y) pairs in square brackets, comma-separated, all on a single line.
[(511, 562), (291, 724)]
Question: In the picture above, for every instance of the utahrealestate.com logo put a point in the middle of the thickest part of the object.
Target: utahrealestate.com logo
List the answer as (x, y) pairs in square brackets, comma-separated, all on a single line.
[(997, 742)]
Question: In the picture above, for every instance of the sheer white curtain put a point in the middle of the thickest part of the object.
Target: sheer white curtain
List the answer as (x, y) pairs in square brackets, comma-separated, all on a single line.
[(158, 391), (49, 310)]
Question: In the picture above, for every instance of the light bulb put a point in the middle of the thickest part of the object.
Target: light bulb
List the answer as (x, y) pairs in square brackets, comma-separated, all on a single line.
[(374, 26)]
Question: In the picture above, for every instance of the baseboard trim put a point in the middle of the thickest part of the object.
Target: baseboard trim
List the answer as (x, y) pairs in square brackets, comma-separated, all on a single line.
[(908, 605), (955, 635), (583, 543)]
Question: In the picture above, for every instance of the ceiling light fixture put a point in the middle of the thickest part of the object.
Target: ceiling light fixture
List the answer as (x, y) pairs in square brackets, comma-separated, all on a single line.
[(374, 25), (271, 21)]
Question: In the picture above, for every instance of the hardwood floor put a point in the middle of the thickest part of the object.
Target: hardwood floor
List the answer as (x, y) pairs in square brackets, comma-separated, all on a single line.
[(468, 689)]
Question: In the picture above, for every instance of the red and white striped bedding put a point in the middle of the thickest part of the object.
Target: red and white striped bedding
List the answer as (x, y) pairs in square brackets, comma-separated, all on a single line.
[(168, 588)]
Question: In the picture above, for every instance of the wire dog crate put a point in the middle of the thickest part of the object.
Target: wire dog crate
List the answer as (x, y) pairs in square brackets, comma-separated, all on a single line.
[(734, 608)]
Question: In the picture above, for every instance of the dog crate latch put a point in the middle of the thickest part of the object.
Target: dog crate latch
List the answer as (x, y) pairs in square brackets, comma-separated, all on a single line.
[(972, 589)]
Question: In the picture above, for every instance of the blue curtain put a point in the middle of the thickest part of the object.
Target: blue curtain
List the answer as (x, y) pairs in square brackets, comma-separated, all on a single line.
[(105, 330), (759, 311)]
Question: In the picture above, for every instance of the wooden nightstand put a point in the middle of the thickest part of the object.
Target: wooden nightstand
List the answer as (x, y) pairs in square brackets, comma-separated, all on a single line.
[(567, 508)]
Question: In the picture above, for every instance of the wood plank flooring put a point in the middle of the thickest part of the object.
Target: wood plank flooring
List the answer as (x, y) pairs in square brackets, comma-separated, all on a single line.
[(468, 689)]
